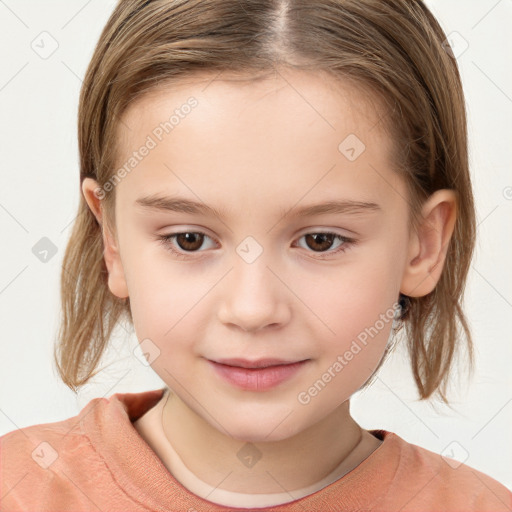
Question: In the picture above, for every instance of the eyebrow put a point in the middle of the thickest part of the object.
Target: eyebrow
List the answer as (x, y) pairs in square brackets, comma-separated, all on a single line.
[(182, 205)]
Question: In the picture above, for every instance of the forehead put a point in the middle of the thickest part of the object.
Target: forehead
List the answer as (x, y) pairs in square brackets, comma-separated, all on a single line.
[(317, 89), (253, 136)]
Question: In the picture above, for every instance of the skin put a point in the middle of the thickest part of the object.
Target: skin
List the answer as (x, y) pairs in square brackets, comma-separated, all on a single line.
[(257, 149)]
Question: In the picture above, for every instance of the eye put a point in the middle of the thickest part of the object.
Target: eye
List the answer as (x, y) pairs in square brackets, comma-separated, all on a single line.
[(188, 241), (322, 241), (192, 241)]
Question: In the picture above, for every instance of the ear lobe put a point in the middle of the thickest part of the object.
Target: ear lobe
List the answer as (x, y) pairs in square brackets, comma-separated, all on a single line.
[(429, 244), (116, 278)]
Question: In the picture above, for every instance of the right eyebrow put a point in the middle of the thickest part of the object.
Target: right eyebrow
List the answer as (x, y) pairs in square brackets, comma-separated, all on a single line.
[(177, 204)]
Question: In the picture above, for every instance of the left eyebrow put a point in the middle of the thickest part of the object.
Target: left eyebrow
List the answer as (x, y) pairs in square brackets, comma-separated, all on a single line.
[(182, 205), (339, 207)]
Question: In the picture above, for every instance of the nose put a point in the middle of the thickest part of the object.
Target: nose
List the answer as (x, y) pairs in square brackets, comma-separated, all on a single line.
[(254, 297)]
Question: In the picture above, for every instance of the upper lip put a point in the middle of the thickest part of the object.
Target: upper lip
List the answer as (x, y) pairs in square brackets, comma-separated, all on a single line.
[(259, 363)]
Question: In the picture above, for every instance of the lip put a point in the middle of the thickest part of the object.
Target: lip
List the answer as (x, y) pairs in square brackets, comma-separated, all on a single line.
[(259, 363), (260, 375)]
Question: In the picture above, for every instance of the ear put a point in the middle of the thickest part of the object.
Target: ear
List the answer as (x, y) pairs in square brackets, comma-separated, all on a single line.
[(429, 244), (116, 278)]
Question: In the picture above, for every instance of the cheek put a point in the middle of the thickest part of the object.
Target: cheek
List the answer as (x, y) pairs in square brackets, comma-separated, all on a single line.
[(355, 312), (167, 301), (166, 314), (161, 310), (157, 293), (351, 297), (350, 356)]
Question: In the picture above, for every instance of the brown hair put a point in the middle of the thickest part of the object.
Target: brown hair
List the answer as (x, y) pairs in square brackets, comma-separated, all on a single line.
[(393, 48)]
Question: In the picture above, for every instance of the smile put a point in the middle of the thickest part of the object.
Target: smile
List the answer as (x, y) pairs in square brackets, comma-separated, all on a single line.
[(257, 379)]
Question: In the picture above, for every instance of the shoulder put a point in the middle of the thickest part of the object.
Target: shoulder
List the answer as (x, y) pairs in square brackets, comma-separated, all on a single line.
[(430, 481), (89, 461), (36, 459)]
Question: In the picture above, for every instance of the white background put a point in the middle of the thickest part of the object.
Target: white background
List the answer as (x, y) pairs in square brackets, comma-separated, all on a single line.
[(39, 196)]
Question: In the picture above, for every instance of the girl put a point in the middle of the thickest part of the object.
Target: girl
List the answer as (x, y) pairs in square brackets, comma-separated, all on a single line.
[(270, 191)]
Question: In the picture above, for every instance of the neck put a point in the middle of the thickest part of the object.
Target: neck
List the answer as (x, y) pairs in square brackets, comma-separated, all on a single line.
[(285, 465)]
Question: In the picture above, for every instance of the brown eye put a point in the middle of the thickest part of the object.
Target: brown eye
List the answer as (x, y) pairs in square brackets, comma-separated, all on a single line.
[(320, 242), (185, 244), (326, 244), (189, 241)]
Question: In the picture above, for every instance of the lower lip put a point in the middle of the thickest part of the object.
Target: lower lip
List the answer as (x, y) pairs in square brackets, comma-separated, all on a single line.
[(258, 379)]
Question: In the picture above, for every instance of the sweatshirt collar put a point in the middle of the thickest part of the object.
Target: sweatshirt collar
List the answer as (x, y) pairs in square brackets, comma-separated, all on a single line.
[(141, 474)]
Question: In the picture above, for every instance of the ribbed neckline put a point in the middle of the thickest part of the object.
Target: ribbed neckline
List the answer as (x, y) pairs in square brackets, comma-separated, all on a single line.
[(142, 475)]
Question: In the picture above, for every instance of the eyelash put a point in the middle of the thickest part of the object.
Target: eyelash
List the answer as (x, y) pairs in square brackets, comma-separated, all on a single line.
[(166, 241)]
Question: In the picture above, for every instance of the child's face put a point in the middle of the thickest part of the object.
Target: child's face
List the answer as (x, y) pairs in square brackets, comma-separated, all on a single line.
[(255, 287)]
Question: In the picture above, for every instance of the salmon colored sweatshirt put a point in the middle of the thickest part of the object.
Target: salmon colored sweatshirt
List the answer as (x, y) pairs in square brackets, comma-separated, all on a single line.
[(97, 460)]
